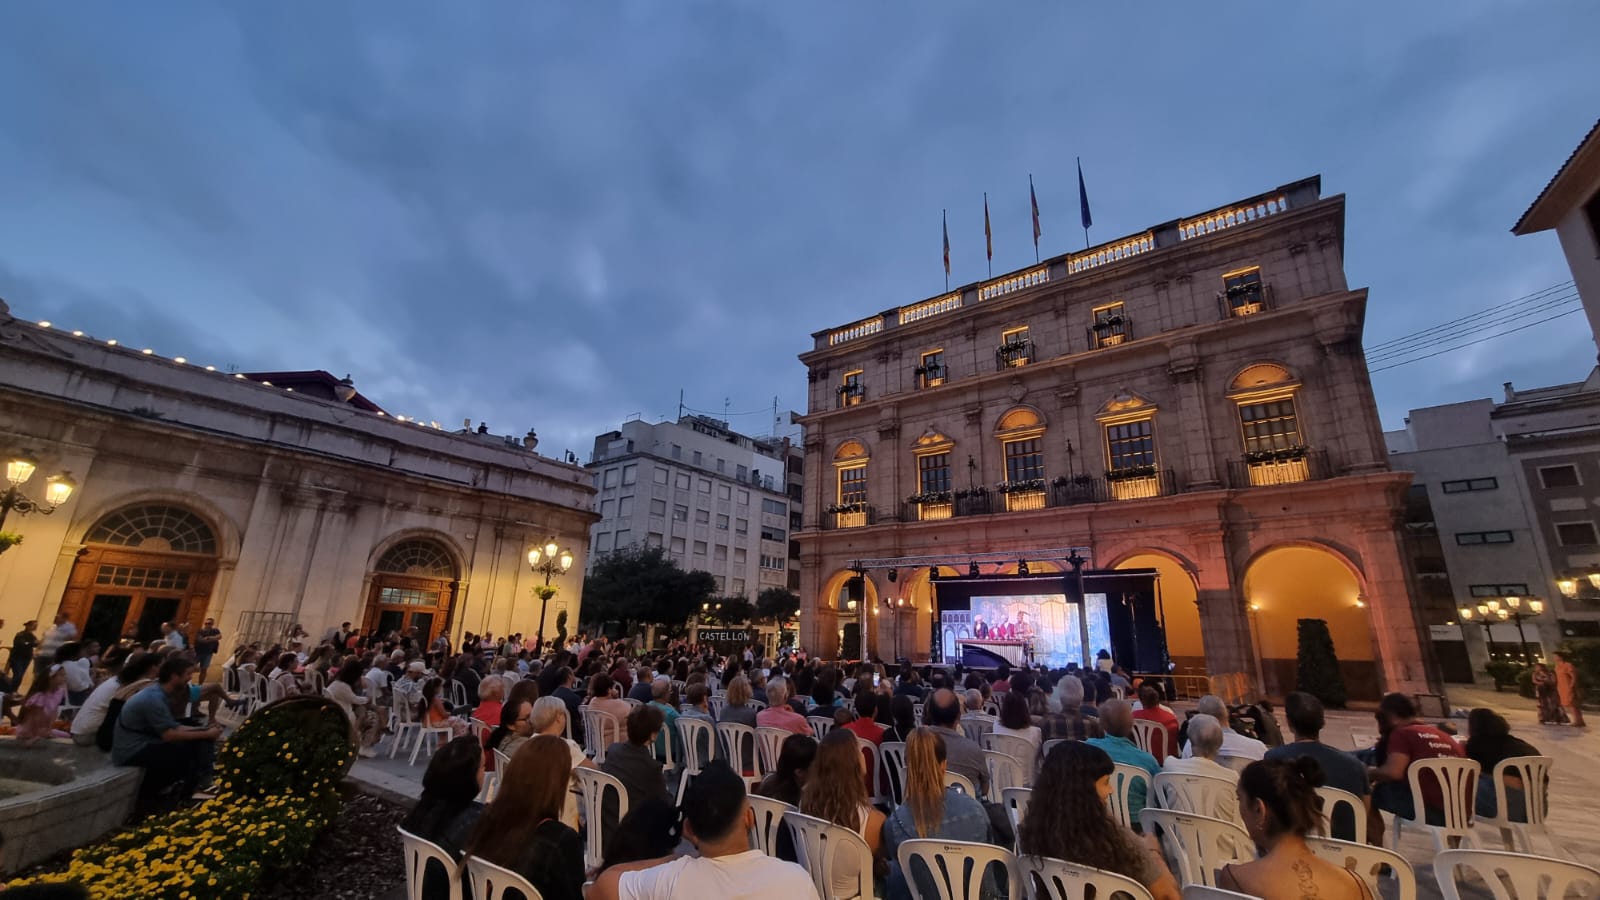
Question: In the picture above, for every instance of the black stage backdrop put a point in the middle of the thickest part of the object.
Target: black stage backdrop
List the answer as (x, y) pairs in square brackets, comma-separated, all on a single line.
[(1132, 612)]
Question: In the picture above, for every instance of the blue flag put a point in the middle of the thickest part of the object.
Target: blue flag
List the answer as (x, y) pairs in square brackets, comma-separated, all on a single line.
[(1083, 198)]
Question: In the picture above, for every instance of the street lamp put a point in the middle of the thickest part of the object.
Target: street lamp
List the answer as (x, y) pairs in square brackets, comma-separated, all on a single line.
[(551, 560), (1535, 606), (57, 489), (896, 606)]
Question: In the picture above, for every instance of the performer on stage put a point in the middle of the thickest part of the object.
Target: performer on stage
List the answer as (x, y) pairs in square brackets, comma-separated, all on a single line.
[(980, 628), (1002, 631), (1024, 631)]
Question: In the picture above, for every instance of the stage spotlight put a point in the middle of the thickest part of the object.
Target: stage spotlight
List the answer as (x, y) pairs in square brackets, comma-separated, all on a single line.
[(933, 573), (972, 570), (894, 575), (1022, 567)]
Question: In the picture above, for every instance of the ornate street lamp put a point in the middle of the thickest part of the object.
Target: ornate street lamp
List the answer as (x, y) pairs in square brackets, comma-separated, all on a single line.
[(57, 489), (551, 560), (1515, 605)]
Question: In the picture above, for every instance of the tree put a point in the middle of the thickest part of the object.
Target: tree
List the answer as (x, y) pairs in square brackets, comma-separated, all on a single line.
[(561, 628), (641, 584), (1318, 668), (732, 611), (777, 604)]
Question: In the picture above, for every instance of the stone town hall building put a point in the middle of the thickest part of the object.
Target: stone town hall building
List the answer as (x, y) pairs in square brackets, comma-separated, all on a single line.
[(1192, 399)]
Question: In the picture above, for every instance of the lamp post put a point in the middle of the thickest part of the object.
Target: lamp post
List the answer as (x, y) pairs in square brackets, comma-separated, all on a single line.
[(551, 560), (1535, 606), (896, 605), (18, 470), (1486, 612)]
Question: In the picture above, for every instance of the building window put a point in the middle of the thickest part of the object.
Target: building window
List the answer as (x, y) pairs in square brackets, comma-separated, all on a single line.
[(682, 481), (1015, 348), (625, 507), (774, 507), (630, 474), (702, 517), (658, 507), (933, 473), (853, 485), (722, 522), (744, 498), (851, 390), (1024, 460), (680, 513), (1269, 427), (740, 556), (719, 553), (1464, 485), (660, 475), (724, 492), (769, 533), (932, 372), (775, 563), (611, 478), (741, 526), (653, 539), (1131, 446), (1576, 534), (704, 484), (608, 508), (624, 539), (1469, 538), (1559, 476), (677, 546), (1244, 292), (741, 472), (738, 587), (677, 451), (602, 542), (699, 548), (697, 457), (1499, 590), (1110, 326), (722, 465)]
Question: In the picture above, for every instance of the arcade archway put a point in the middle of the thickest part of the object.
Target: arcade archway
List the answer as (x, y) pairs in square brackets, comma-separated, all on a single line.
[(413, 586), (1177, 601), (1286, 584), (142, 565)]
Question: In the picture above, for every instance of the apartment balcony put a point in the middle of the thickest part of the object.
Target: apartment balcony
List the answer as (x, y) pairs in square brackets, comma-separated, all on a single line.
[(851, 395), (1266, 468), (1013, 355), (1245, 300), (849, 515), (1111, 331), (930, 507)]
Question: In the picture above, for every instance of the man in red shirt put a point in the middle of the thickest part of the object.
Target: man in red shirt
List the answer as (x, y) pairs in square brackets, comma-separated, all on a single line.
[(1405, 740), (866, 704), (1150, 711)]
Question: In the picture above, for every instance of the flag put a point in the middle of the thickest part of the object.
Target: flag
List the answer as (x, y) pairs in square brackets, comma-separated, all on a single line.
[(945, 216), (1033, 199), (988, 236), (1083, 198)]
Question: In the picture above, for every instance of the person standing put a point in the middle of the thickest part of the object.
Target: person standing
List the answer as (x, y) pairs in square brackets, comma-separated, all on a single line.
[(22, 647), (59, 634), (1567, 689), (206, 642), (1544, 691)]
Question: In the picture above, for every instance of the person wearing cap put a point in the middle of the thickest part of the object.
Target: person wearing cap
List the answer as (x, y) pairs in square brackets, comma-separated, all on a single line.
[(717, 820), (408, 687)]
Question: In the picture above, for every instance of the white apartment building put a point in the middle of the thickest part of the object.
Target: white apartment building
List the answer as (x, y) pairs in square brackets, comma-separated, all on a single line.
[(717, 500)]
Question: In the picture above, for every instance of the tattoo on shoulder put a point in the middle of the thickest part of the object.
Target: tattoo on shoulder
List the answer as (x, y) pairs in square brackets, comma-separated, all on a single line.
[(1303, 874)]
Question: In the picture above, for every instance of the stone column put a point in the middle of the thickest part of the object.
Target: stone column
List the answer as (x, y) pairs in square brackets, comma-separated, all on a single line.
[(1225, 625), (1200, 463), (1400, 640)]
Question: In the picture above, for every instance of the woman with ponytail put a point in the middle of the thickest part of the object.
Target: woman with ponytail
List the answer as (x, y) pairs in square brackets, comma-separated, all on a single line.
[(1076, 825), (1280, 807), (930, 810)]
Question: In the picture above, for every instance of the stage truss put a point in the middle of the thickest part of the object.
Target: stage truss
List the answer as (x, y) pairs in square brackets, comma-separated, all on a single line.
[(958, 560)]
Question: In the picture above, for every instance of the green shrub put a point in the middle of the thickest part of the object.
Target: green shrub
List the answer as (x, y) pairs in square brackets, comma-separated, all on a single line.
[(1504, 672), (1317, 667)]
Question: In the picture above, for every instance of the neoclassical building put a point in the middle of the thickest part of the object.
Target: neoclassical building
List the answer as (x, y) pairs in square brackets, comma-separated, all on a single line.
[(1191, 399), (264, 500)]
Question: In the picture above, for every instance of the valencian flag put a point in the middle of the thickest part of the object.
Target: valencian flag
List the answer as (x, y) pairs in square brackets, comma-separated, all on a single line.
[(944, 215), (1083, 199), (988, 236), (1034, 200)]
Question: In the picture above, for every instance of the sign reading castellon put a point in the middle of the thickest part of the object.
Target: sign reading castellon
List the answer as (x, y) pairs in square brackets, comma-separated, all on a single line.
[(726, 636)]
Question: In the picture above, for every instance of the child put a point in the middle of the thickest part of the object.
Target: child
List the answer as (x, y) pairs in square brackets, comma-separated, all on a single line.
[(38, 717)]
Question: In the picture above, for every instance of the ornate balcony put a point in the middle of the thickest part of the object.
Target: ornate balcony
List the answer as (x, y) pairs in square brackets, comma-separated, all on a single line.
[(851, 394), (1266, 468), (1244, 300), (1110, 332), (849, 515), (1013, 354), (1140, 483)]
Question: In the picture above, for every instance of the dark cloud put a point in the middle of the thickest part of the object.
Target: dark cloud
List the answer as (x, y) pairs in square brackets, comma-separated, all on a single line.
[(562, 214)]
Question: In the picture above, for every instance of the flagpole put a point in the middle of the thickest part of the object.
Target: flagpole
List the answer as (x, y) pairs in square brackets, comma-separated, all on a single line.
[(988, 234), (1083, 204), (1033, 201), (944, 218)]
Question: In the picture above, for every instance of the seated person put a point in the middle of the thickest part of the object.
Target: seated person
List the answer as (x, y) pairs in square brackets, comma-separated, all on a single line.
[(149, 736), (448, 809), (1151, 710), (1278, 802), (1489, 743), (1402, 740), (1341, 770), (522, 829)]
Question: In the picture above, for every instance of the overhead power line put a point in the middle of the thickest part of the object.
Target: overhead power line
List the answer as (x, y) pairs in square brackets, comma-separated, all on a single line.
[(1487, 337), (1530, 298), (1563, 303)]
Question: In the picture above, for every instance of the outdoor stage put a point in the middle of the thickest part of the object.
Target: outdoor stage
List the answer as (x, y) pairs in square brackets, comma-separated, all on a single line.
[(986, 620)]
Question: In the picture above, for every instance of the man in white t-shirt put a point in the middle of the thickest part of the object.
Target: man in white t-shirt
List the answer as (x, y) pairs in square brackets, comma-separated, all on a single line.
[(1234, 745), (717, 820)]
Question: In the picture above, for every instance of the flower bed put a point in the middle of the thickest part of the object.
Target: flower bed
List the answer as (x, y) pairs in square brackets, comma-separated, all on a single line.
[(277, 779)]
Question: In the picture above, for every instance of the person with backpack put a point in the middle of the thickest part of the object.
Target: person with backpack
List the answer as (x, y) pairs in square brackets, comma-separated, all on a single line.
[(138, 673)]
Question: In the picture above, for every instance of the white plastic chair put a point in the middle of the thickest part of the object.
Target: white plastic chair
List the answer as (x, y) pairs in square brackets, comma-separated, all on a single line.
[(403, 723), (715, 703), (1047, 746), (1197, 845), (600, 730), (592, 785), (1200, 795), (491, 882), (418, 854), (956, 868), (1015, 802), (633, 702), (975, 726), (820, 726), (1236, 763), (1368, 862), (874, 768), (769, 743), (894, 765), (699, 737), (1334, 798), (961, 783), (916, 711), (769, 818), (431, 735), (818, 843), (1017, 748), (458, 694), (661, 747), (1458, 784), (1201, 892), (1534, 772), (1004, 771), (1514, 876), (1121, 786), (1043, 878), (739, 744), (1149, 736)]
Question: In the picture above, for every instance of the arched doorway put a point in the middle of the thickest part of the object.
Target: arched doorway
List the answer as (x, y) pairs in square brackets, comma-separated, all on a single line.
[(1180, 611), (1287, 584), (918, 618), (141, 566), (848, 604), (413, 586)]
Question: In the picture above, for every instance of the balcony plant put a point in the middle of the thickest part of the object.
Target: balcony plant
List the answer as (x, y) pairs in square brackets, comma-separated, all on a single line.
[(1109, 324), (845, 389), (929, 372), (1079, 480), (931, 497), (854, 506), (972, 492), (1285, 454), (8, 539), (1022, 486), (1130, 472)]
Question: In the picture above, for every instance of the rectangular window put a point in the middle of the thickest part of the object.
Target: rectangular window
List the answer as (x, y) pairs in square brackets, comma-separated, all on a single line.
[(932, 372), (682, 481), (1559, 476), (624, 539), (608, 508), (719, 553), (1024, 460), (775, 563), (602, 542), (660, 475), (1576, 534), (742, 473), (851, 391), (1270, 426), (738, 587), (744, 498), (724, 492), (722, 522), (741, 526), (611, 478), (702, 517), (658, 507), (1110, 326), (653, 539), (699, 548), (1015, 348), (774, 507), (630, 474), (1244, 292), (1130, 445), (722, 584), (1499, 590), (624, 507), (1469, 538), (769, 533), (680, 513), (853, 485), (704, 484), (677, 546), (677, 451), (1462, 486), (697, 457), (933, 473), (722, 465), (740, 555)]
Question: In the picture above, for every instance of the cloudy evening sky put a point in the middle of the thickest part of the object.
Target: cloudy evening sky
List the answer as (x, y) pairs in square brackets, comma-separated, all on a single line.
[(559, 214)]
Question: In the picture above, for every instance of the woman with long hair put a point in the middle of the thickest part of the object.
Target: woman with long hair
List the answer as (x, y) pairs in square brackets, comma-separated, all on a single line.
[(348, 690), (902, 719), (788, 781), (434, 712), (1016, 719), (1279, 804), (522, 829), (930, 810), (448, 808), (836, 790), (1544, 691), (1076, 825)]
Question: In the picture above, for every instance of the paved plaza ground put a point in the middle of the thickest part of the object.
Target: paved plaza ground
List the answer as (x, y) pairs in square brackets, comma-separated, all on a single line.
[(1574, 788)]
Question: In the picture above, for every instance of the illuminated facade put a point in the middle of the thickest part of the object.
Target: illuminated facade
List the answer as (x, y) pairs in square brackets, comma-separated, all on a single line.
[(1192, 398)]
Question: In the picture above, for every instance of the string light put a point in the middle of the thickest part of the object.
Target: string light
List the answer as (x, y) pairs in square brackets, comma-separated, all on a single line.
[(211, 368), (179, 360), (77, 334), (45, 324), (147, 351), (111, 343)]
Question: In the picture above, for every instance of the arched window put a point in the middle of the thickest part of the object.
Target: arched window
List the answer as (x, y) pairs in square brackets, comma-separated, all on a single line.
[(155, 527), (850, 509), (418, 558), (1128, 422), (1021, 434), (1269, 423)]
